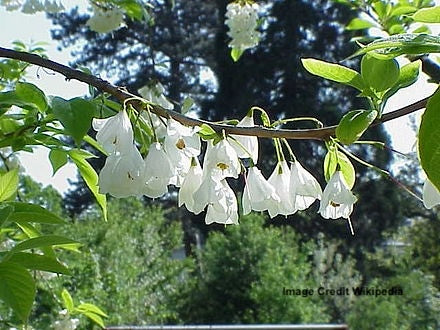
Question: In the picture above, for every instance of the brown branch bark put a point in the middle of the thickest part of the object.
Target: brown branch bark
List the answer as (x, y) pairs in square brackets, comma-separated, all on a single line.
[(122, 95)]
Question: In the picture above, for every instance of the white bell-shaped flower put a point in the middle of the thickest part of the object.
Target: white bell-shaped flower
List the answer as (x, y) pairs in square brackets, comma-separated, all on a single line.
[(155, 94), (181, 145), (431, 195), (258, 195), (207, 192), (105, 20), (223, 159), (280, 179), (114, 133), (246, 146), (337, 199), (304, 188), (191, 183), (242, 20), (122, 174), (158, 172), (224, 209)]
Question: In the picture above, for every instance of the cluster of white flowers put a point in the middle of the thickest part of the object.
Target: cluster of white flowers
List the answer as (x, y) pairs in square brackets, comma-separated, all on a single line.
[(242, 20), (105, 20), (174, 161), (65, 322), (33, 6)]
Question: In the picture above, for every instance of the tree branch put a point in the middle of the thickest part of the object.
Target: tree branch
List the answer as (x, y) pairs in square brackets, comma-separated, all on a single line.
[(121, 95)]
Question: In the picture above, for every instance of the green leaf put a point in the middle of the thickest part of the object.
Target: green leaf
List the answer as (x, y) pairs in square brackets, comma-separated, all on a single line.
[(41, 241), (76, 116), (31, 232), (95, 318), (90, 177), (353, 124), (206, 132), (379, 74), (8, 184), (31, 94), (408, 75), (17, 289), (39, 262), (58, 158), (67, 301), (187, 104), (236, 54), (359, 24), (26, 212), (403, 10), (428, 15), (5, 212), (85, 307), (396, 45), (334, 72), (429, 140), (331, 161)]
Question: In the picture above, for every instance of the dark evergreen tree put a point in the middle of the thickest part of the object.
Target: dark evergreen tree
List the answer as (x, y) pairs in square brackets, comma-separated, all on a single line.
[(190, 39)]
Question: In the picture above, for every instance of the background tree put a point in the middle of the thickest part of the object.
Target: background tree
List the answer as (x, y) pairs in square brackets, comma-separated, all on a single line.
[(188, 41)]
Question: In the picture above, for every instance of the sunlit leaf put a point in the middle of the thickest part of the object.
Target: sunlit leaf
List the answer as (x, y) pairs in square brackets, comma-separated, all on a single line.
[(334, 72), (332, 159), (353, 124), (26, 212), (429, 140), (8, 184)]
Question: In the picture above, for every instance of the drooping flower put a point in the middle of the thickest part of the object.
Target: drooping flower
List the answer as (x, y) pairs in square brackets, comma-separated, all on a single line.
[(247, 146), (222, 158), (155, 94), (105, 20), (258, 194), (122, 174), (304, 188), (114, 133), (337, 199), (191, 183), (431, 195), (242, 20), (206, 193), (158, 171), (181, 145), (224, 209), (280, 180)]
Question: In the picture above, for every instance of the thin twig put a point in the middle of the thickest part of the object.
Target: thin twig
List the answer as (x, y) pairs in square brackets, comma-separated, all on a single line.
[(121, 95)]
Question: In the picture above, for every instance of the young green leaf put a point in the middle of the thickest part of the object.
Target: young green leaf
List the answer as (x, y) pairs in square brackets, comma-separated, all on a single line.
[(187, 104), (379, 74), (95, 318), (332, 159), (334, 72), (359, 24), (17, 289), (236, 54), (206, 132), (85, 307), (26, 212), (408, 75), (58, 158), (427, 15), (429, 141), (353, 124), (76, 116), (8, 184), (67, 301), (31, 94), (90, 177)]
